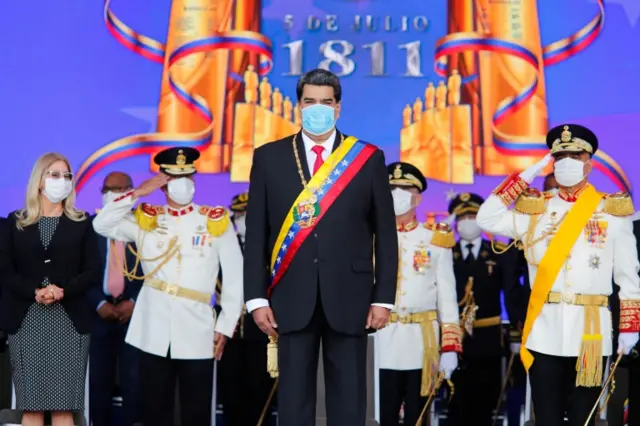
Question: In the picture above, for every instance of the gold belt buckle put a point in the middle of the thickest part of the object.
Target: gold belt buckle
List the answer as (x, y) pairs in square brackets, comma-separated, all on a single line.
[(569, 298), (404, 319), (172, 290)]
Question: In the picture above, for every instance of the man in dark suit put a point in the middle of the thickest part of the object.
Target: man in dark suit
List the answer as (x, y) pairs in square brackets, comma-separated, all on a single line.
[(319, 209), (480, 277), (245, 384), (113, 299)]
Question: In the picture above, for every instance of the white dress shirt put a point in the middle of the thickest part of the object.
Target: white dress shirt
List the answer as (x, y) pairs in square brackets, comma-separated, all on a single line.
[(328, 145), (475, 249)]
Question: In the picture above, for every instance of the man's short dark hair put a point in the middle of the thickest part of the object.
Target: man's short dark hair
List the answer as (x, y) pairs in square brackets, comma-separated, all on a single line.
[(320, 77)]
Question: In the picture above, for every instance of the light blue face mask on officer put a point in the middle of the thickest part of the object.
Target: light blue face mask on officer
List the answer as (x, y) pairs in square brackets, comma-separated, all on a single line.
[(318, 119)]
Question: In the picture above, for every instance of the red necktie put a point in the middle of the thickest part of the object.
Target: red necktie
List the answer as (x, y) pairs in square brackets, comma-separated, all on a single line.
[(319, 161)]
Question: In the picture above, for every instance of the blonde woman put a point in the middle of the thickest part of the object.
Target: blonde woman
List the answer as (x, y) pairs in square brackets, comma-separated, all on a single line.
[(48, 260)]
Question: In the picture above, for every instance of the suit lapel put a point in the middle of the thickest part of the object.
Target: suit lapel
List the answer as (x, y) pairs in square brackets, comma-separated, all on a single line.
[(302, 154), (338, 140), (64, 229)]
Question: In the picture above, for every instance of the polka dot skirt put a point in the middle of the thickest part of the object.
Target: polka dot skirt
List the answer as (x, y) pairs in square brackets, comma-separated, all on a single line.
[(48, 356)]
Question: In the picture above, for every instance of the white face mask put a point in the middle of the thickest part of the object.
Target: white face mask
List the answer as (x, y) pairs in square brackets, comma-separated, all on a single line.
[(57, 190), (568, 171), (468, 229), (181, 190), (241, 226), (401, 201), (108, 197)]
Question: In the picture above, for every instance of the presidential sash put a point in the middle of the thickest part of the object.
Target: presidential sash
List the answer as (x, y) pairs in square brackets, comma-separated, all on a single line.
[(553, 259), (315, 200)]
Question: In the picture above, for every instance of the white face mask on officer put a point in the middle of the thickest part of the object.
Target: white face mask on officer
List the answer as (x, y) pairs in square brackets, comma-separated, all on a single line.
[(56, 190), (402, 201), (568, 171), (468, 229), (181, 190), (108, 197)]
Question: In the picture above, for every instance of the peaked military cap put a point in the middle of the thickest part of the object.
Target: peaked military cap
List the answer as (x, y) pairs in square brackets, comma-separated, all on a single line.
[(239, 203), (405, 174), (465, 203), (177, 161), (572, 138)]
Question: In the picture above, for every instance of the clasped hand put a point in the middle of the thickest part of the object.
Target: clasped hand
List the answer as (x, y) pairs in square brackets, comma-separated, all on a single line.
[(48, 295)]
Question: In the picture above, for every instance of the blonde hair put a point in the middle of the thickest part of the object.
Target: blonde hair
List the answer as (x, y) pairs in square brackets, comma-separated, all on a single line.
[(32, 209)]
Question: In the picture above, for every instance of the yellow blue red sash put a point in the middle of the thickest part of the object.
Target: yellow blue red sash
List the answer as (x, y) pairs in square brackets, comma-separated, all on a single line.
[(315, 200)]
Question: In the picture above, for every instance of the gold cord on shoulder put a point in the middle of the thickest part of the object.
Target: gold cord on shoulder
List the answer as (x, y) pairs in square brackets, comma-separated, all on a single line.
[(166, 256)]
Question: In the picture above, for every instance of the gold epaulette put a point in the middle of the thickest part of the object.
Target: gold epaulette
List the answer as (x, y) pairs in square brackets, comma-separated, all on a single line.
[(618, 204), (500, 246), (147, 216), (217, 219), (442, 235), (531, 201)]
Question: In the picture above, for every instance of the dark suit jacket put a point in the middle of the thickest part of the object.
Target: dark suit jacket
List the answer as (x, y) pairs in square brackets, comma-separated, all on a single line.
[(336, 260), (490, 278), (71, 262), (96, 293)]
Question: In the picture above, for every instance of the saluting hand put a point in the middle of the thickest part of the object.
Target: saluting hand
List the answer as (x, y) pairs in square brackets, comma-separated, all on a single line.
[(265, 320), (150, 185)]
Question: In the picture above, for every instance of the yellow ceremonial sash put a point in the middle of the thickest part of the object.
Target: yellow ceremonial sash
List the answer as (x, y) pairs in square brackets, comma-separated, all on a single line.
[(554, 258)]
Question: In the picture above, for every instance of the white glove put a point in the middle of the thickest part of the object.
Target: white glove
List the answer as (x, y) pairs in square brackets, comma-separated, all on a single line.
[(450, 219), (515, 348), (448, 363), (627, 341), (530, 174)]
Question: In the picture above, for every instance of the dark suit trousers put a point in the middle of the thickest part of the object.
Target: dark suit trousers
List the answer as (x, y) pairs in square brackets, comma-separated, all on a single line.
[(108, 354), (344, 358), (634, 393), (243, 382), (158, 377), (554, 392), (477, 388), (396, 387)]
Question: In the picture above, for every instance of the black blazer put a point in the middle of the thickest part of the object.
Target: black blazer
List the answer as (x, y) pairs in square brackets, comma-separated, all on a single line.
[(491, 276), (96, 293), (336, 260), (71, 262)]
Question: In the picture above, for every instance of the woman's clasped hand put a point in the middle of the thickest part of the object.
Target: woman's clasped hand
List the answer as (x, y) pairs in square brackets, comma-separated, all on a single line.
[(49, 294)]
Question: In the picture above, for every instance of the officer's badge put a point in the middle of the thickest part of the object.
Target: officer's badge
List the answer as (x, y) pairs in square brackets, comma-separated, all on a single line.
[(596, 233), (484, 254), (421, 259), (490, 265), (456, 255), (594, 261)]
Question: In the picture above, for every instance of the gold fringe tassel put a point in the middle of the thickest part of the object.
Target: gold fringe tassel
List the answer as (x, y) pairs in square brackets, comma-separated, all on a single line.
[(590, 365), (272, 357), (429, 357)]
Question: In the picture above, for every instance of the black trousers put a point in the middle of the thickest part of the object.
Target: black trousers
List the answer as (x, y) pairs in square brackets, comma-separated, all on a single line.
[(477, 388), (158, 377), (554, 392), (243, 382), (396, 387), (634, 393), (344, 358), (108, 353)]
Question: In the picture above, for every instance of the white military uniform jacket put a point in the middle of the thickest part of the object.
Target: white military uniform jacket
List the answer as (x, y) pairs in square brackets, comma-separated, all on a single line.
[(423, 285), (159, 319), (605, 248)]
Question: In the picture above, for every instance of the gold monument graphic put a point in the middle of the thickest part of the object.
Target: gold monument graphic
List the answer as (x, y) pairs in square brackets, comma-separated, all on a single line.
[(436, 133), (266, 115)]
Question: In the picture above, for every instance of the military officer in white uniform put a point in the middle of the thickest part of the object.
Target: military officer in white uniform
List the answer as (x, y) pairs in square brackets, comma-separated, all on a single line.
[(181, 247), (410, 347), (574, 241)]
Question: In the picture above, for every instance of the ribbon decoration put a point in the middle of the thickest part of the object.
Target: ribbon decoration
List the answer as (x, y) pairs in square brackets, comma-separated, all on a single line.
[(553, 53), (151, 49)]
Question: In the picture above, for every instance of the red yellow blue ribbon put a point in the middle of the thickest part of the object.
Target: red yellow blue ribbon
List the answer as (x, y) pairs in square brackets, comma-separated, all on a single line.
[(327, 183), (556, 52), (150, 142)]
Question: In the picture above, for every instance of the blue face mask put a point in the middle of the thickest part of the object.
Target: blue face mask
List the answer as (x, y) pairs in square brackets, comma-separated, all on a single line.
[(318, 119)]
